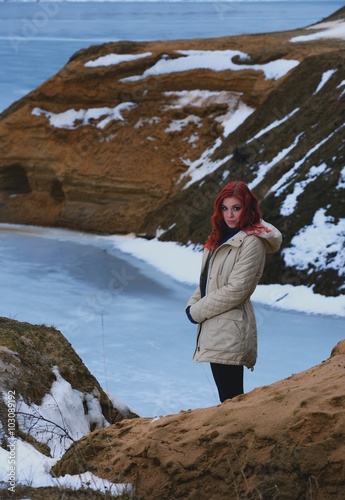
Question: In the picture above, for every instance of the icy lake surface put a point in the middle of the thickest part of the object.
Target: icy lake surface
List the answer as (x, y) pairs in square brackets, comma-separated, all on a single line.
[(126, 319)]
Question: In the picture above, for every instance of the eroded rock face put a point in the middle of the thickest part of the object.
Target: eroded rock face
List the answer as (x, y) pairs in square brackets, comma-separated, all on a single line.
[(117, 148), (33, 358), (285, 440), (109, 177)]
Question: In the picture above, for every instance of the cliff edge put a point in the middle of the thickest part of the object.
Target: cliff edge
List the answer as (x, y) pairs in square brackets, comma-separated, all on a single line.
[(286, 440)]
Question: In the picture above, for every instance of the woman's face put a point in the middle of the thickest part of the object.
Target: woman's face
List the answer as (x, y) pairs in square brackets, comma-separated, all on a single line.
[(232, 209)]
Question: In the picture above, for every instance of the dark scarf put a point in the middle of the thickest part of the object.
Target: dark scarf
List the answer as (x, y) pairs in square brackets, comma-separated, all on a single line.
[(229, 232)]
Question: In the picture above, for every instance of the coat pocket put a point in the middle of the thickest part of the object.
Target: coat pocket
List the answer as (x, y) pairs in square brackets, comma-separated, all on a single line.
[(234, 314), (225, 332)]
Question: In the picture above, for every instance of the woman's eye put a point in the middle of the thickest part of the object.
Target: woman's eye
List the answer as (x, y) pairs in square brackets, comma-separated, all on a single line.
[(224, 208), (237, 209)]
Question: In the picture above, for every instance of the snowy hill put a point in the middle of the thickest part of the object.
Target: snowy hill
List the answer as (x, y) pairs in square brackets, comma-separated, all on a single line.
[(49, 400), (135, 137)]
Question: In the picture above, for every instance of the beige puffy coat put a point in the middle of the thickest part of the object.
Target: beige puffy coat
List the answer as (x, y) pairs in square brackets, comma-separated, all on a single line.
[(227, 332)]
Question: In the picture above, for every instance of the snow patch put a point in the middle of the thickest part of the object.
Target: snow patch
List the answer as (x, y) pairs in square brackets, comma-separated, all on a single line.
[(330, 29), (112, 59), (233, 119), (273, 125), (203, 166), (192, 139), (298, 298), (286, 179), (149, 121), (160, 253), (265, 167), (290, 201), (237, 113), (200, 98), (214, 60), (72, 119), (341, 182), (318, 246), (178, 125), (58, 421), (61, 416), (325, 77)]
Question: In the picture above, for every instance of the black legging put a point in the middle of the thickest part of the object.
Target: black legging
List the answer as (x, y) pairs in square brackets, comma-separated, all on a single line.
[(229, 380)]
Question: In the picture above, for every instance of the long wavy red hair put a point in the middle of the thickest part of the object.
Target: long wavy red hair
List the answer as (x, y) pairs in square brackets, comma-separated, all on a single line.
[(250, 217)]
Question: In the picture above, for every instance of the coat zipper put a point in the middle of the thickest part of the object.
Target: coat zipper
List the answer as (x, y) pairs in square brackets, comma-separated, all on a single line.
[(197, 348)]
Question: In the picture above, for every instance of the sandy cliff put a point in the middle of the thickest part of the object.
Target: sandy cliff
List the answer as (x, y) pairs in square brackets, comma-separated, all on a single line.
[(129, 147)]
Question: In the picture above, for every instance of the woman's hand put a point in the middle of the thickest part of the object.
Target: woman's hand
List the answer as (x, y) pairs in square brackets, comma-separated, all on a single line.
[(189, 316)]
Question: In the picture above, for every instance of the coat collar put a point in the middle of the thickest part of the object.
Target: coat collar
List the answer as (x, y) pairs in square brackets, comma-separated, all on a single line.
[(237, 240)]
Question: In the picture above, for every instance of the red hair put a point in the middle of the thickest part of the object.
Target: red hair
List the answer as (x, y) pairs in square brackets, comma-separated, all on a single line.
[(250, 217)]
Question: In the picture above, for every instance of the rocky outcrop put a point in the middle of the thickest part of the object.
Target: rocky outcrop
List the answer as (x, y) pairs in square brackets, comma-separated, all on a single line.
[(117, 148), (286, 440), (32, 359)]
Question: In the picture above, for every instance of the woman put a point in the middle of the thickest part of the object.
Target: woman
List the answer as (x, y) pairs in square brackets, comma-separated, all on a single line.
[(232, 265)]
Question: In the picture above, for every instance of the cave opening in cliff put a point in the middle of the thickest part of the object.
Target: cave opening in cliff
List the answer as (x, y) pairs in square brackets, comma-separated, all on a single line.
[(14, 180), (57, 193)]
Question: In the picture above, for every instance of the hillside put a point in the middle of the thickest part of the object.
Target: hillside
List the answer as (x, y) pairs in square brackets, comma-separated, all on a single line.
[(56, 400), (33, 357), (285, 440), (281, 441), (139, 137)]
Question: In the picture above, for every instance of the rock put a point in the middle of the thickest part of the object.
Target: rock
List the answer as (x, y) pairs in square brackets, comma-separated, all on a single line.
[(286, 440), (33, 358)]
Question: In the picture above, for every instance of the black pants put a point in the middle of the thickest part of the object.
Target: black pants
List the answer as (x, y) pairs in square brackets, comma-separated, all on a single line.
[(229, 380)]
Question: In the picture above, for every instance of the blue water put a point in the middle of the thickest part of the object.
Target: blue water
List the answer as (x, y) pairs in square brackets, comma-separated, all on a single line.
[(37, 39)]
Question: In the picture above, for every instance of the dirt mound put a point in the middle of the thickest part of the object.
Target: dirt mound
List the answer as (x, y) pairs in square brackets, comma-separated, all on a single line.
[(29, 357), (286, 440)]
